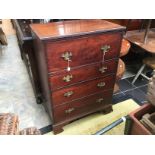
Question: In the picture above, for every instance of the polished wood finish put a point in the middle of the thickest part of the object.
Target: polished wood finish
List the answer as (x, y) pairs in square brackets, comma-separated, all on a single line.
[(73, 28), (131, 24), (85, 50), (81, 74), (120, 70), (82, 89), (119, 74), (125, 47), (87, 87), (137, 38), (80, 107)]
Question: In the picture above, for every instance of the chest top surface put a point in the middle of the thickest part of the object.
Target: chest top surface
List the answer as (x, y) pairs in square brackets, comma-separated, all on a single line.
[(65, 29)]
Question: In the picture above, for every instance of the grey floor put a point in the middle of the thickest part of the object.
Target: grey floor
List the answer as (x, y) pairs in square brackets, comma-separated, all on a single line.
[(16, 94)]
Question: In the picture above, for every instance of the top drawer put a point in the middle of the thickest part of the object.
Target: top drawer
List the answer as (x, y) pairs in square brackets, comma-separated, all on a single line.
[(81, 51)]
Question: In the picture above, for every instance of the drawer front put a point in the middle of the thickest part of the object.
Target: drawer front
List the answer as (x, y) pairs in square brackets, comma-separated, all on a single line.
[(80, 107), (82, 90), (81, 51), (65, 78)]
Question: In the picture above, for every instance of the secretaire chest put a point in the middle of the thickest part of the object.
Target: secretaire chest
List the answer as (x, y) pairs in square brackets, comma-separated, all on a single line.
[(77, 62)]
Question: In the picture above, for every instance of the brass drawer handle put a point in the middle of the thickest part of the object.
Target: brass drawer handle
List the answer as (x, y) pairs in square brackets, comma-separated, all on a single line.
[(105, 48), (101, 84), (67, 78), (67, 56), (102, 69), (100, 100), (69, 93), (69, 110)]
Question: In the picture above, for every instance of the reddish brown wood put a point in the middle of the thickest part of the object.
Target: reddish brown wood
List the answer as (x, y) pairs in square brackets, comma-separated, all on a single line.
[(43, 75), (85, 50), (101, 94), (137, 127), (137, 38), (84, 39), (81, 106), (82, 89), (120, 70), (73, 28), (125, 47), (131, 24), (80, 74), (58, 127)]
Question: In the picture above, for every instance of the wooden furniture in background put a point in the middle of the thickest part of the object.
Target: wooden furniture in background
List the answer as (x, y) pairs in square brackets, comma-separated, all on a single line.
[(125, 46), (27, 52), (119, 74), (120, 70), (139, 39), (133, 24), (137, 128), (77, 63)]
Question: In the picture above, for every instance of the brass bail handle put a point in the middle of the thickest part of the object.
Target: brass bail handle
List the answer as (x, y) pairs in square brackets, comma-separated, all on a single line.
[(69, 93), (105, 48), (100, 100), (68, 78), (67, 56), (101, 84), (69, 110)]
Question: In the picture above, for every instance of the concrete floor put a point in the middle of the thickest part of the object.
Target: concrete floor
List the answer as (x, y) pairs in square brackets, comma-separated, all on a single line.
[(16, 93)]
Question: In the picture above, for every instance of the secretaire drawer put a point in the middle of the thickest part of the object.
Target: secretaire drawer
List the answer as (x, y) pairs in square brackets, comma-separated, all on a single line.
[(64, 78), (82, 106), (81, 90), (81, 51)]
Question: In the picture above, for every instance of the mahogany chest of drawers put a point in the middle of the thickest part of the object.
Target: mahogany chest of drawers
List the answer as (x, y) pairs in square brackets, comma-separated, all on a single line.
[(77, 63)]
